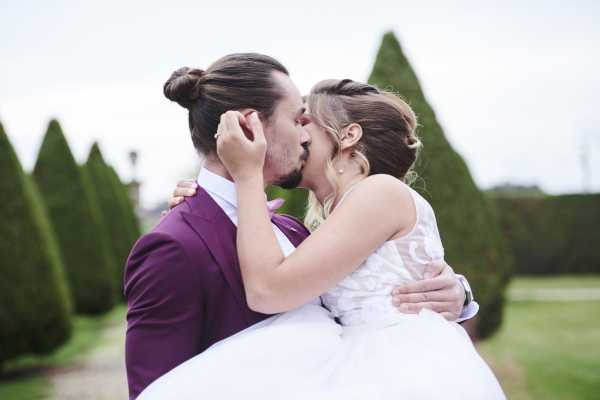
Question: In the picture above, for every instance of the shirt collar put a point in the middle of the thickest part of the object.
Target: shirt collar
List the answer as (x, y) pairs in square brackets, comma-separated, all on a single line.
[(218, 185)]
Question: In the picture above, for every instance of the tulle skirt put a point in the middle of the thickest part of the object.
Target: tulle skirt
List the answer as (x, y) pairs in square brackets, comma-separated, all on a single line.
[(305, 354)]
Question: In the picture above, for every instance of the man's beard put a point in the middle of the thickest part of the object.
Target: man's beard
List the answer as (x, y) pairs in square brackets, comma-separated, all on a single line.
[(293, 179)]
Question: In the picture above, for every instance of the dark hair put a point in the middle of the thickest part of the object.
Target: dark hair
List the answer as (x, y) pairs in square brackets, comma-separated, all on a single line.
[(236, 81)]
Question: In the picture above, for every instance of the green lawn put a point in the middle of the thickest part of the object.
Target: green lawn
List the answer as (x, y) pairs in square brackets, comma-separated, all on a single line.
[(25, 377), (548, 350)]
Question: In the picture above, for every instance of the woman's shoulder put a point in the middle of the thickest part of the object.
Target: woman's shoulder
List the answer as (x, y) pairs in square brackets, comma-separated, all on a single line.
[(384, 193), (387, 187)]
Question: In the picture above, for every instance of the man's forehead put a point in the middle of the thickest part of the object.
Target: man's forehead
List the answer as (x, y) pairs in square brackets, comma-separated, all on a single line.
[(293, 105), (292, 99)]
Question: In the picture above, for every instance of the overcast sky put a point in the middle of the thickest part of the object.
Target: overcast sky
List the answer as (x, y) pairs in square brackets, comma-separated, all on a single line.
[(515, 84)]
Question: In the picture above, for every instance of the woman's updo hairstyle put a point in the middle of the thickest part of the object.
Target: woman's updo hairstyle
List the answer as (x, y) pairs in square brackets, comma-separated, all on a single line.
[(389, 144)]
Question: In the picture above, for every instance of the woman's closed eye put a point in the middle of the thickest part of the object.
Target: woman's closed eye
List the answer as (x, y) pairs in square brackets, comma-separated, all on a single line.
[(303, 120)]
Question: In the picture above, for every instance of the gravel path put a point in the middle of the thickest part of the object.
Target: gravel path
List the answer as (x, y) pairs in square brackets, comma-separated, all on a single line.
[(100, 376)]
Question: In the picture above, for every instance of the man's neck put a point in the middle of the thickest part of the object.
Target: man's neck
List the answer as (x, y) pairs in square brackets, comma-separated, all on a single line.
[(214, 165)]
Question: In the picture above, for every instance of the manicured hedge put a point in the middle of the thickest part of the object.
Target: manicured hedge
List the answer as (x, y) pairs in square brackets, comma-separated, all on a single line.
[(76, 220), (553, 234), (122, 192), (468, 221), (115, 217), (34, 297)]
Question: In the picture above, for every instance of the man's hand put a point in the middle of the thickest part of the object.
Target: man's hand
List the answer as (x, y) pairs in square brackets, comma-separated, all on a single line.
[(440, 291)]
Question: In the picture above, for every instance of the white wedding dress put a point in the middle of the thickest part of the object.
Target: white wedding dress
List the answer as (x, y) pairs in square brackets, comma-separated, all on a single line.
[(376, 353)]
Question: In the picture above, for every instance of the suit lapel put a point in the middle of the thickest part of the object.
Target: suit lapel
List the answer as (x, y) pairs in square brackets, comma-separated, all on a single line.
[(215, 228)]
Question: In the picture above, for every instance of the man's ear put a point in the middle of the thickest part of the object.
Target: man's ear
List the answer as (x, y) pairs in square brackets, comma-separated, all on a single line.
[(247, 111), (351, 135), (245, 123)]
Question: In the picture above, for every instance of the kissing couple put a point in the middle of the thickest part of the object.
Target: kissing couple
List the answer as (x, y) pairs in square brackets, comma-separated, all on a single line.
[(228, 299)]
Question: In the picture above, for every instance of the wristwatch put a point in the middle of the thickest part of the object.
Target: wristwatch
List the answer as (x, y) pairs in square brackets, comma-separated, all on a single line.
[(468, 292)]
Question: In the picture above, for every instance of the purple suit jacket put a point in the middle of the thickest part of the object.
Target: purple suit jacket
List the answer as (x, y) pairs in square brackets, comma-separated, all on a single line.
[(184, 288)]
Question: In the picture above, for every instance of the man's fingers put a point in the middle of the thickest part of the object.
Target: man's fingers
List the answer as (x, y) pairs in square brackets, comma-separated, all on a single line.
[(436, 306), (434, 269), (422, 297), (425, 285), (443, 308), (449, 316)]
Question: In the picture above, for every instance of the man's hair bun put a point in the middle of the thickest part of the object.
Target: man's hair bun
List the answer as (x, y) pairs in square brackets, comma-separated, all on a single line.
[(184, 86)]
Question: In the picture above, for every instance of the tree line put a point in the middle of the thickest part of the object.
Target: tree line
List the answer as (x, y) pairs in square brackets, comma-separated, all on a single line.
[(65, 233)]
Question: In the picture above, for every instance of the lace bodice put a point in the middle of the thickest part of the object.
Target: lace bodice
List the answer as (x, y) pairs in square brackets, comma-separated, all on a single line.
[(365, 295)]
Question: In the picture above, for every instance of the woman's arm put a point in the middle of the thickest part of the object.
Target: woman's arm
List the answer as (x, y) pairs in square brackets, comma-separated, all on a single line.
[(368, 217), (440, 290)]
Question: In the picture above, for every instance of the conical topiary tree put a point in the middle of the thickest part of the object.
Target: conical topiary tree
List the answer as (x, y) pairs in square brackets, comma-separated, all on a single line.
[(75, 218), (127, 205), (467, 220), (116, 221), (34, 297)]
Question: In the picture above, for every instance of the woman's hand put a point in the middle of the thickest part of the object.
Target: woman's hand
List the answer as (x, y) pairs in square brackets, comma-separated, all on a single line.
[(243, 156)]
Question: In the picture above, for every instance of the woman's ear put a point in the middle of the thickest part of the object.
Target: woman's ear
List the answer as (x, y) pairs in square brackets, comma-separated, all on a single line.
[(351, 135)]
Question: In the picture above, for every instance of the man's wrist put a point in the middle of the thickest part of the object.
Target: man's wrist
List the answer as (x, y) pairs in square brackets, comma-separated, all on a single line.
[(468, 312), (467, 288)]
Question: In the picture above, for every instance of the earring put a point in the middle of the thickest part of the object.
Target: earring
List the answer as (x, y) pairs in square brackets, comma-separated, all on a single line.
[(340, 171)]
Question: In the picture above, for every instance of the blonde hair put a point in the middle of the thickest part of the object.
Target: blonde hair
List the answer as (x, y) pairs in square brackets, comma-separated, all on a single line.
[(389, 144)]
